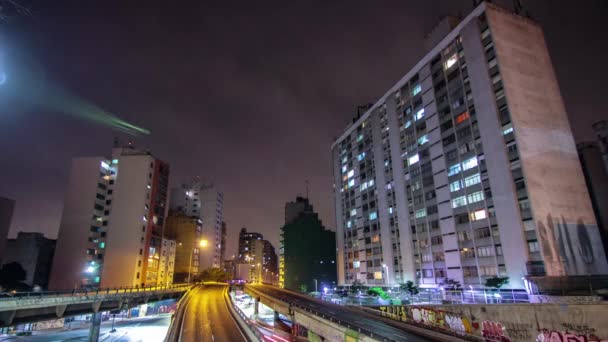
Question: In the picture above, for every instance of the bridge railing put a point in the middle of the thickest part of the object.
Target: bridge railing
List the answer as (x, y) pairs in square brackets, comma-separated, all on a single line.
[(84, 292)]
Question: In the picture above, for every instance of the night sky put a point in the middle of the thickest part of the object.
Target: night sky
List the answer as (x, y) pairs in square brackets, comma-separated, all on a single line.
[(248, 95)]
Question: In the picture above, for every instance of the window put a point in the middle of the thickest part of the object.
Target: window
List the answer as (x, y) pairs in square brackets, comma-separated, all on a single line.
[(353, 212), (459, 201), (423, 140), (356, 264), (351, 183), (485, 251), (462, 117), (482, 233), (436, 240), (455, 186), (469, 163), (451, 61), (344, 169), (533, 246), (427, 273), (488, 270), (376, 238), (408, 123), (427, 258), (416, 90), (472, 180), (507, 129), (419, 114), (373, 215), (377, 275), (467, 253), (413, 159), (438, 256), (361, 156), (498, 250), (475, 197), (420, 213), (469, 271), (464, 236), (478, 215), (454, 170), (351, 173)]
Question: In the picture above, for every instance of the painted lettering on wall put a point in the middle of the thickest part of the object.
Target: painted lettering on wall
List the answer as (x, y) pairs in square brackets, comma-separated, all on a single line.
[(494, 332), (561, 336)]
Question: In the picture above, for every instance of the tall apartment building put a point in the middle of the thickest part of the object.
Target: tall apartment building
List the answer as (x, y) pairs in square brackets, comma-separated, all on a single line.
[(270, 270), (187, 232), (223, 234), (245, 241), (203, 201), (6, 215), (34, 253), (167, 262), (112, 223), (466, 168)]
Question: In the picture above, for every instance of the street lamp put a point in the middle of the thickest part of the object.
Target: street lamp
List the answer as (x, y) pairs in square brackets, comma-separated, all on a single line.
[(202, 243), (315, 284), (388, 280)]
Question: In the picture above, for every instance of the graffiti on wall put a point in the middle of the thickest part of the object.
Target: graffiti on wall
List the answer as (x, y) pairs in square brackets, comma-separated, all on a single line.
[(494, 332), (562, 336), (437, 318)]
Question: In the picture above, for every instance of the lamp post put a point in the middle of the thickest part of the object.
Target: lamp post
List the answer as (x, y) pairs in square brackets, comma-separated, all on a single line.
[(315, 284), (388, 280), (202, 243)]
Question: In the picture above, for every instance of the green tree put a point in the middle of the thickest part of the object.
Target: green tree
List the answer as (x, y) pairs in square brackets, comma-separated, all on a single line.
[(357, 286), (214, 274), (12, 276), (303, 288), (497, 282), (409, 287)]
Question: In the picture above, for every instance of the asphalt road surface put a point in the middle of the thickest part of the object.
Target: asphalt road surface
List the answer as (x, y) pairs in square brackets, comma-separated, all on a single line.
[(344, 314), (207, 317)]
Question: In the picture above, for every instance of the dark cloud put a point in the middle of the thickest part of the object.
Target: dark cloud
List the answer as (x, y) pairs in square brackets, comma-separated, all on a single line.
[(249, 95)]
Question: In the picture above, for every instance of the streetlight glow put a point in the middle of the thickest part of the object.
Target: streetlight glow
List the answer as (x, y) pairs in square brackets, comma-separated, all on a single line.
[(203, 243)]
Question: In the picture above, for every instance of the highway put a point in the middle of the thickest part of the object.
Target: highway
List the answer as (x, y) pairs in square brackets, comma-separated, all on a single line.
[(206, 316), (355, 318)]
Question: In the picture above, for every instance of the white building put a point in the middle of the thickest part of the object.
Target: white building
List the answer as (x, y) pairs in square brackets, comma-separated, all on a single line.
[(204, 201), (112, 223), (466, 168), (167, 262)]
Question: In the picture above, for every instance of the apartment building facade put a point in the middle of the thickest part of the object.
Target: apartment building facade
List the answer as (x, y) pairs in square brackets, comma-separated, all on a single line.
[(466, 168)]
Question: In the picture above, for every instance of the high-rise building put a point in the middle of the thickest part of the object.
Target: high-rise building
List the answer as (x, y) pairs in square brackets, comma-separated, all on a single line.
[(596, 178), (466, 168), (112, 223), (204, 201), (229, 267), (270, 271), (167, 262), (308, 250), (601, 130), (6, 214), (187, 232), (256, 259), (245, 241), (223, 244), (34, 253)]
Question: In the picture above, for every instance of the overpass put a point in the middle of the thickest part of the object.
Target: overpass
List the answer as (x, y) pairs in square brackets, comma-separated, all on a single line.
[(26, 307), (339, 323)]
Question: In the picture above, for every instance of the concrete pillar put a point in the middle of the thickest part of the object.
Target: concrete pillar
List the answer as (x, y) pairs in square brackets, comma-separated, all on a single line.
[(95, 326), (256, 306), (276, 315)]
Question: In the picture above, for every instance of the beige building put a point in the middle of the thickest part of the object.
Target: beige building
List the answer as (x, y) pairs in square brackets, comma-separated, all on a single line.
[(186, 231), (466, 168), (167, 263)]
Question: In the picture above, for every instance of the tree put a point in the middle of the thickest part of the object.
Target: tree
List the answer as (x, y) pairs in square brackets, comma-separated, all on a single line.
[(357, 286), (497, 282), (451, 285), (303, 288), (214, 274), (12, 276), (409, 287)]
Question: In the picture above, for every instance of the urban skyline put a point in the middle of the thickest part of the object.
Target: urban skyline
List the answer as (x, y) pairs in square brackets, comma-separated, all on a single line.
[(45, 193)]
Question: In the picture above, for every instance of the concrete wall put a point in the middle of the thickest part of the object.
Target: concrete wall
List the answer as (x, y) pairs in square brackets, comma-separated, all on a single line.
[(509, 322)]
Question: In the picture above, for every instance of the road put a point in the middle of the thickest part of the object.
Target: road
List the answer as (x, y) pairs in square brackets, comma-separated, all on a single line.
[(148, 329), (207, 317), (354, 317)]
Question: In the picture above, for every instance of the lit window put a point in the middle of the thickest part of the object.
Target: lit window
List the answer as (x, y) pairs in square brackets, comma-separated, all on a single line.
[(459, 201), (417, 89), (349, 224), (376, 238), (105, 165), (475, 197), (351, 173), (363, 186), (478, 215), (462, 117), (507, 130), (145, 219), (370, 183), (389, 186), (423, 140), (353, 212), (420, 213), (408, 123), (361, 156), (344, 159), (114, 161), (472, 180), (413, 159), (377, 275), (351, 183), (419, 114), (469, 163), (344, 169), (356, 264), (360, 137), (454, 170), (533, 246), (96, 279), (373, 215), (102, 245), (390, 210), (455, 186), (451, 61)]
